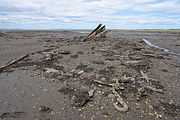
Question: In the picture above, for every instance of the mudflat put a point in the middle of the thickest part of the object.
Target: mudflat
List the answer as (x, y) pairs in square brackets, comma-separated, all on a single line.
[(118, 77)]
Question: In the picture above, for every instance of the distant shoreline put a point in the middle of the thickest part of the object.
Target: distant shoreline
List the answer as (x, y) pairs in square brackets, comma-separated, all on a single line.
[(83, 31)]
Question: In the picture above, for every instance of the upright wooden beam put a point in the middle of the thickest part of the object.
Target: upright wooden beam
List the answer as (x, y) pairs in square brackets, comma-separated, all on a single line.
[(99, 31), (99, 26)]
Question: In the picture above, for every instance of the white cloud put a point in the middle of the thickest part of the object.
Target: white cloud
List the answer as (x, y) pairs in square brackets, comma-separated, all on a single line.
[(164, 6), (76, 11)]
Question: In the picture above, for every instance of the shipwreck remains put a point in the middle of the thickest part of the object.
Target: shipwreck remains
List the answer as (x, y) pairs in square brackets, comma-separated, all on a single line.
[(111, 74), (99, 32)]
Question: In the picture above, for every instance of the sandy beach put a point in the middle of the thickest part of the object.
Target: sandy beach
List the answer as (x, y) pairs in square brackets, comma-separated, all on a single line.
[(67, 79)]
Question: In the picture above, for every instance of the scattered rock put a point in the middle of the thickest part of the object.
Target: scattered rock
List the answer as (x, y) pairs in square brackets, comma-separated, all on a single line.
[(80, 72), (164, 70), (142, 93), (65, 52), (91, 92), (80, 98), (177, 45), (45, 109), (135, 57), (139, 64), (170, 108), (51, 70), (84, 67), (66, 90)]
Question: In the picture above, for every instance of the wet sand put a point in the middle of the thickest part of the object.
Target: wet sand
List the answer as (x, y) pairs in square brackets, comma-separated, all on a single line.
[(28, 86)]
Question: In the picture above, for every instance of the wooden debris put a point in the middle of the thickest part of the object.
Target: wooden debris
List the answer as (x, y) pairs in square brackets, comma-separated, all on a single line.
[(64, 52), (51, 70), (133, 62), (43, 108), (127, 79), (154, 89), (102, 83), (13, 62), (123, 107), (103, 28), (154, 55), (2, 34), (99, 31), (144, 76), (11, 115), (177, 45), (99, 26), (119, 105)]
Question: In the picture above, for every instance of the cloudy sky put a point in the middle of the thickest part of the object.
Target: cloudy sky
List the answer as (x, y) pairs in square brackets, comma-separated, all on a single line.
[(80, 14)]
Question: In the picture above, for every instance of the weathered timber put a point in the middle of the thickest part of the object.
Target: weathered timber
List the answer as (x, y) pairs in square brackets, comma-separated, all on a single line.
[(99, 26), (13, 62)]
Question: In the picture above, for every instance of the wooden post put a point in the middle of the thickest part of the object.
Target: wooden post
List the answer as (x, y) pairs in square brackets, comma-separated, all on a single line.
[(99, 31)]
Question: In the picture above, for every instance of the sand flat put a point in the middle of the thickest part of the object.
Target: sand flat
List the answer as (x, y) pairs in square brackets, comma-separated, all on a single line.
[(27, 86)]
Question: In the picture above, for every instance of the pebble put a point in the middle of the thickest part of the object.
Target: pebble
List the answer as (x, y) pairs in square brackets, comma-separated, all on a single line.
[(65, 52), (45, 90), (52, 113), (103, 79), (101, 107), (52, 80), (91, 92), (80, 72), (32, 95), (137, 106), (171, 101), (34, 107), (45, 109), (51, 70)]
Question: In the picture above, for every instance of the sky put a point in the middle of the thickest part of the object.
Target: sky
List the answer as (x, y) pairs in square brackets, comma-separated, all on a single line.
[(86, 14)]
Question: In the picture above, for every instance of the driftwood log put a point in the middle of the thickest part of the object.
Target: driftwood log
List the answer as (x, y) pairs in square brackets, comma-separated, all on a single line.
[(2, 68)]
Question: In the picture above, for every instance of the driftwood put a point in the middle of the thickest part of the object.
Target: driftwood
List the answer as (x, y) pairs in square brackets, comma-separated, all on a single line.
[(2, 34), (13, 62), (102, 29), (154, 89), (145, 76), (11, 115), (119, 105), (123, 107), (99, 26), (102, 83), (154, 55), (99, 31)]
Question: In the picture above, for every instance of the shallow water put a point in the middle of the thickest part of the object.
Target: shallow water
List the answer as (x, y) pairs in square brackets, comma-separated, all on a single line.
[(158, 47)]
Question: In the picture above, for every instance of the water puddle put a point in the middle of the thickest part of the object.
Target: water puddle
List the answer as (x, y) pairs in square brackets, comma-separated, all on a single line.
[(158, 47)]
